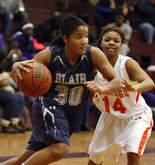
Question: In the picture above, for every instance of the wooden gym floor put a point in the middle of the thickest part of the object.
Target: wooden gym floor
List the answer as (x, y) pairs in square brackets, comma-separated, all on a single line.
[(12, 145)]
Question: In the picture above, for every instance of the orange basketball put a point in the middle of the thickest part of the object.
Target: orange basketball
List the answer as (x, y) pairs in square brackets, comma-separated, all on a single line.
[(36, 82)]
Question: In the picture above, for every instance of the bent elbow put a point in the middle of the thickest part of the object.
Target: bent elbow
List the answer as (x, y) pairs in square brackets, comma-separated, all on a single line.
[(153, 85)]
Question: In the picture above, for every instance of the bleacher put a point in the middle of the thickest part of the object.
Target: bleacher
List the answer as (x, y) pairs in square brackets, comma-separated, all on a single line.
[(39, 11), (142, 52), (141, 49)]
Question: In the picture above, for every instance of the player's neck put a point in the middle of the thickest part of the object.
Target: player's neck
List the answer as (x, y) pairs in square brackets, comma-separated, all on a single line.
[(112, 60), (71, 57)]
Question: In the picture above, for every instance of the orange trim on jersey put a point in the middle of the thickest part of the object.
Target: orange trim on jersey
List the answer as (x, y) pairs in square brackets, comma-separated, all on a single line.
[(127, 61), (138, 94), (103, 76), (143, 139)]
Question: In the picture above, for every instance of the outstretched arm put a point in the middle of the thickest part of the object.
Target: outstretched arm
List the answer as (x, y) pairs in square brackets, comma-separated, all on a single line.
[(102, 65), (137, 74)]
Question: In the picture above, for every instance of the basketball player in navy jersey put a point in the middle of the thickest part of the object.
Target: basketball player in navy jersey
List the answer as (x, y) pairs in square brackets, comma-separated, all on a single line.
[(72, 63)]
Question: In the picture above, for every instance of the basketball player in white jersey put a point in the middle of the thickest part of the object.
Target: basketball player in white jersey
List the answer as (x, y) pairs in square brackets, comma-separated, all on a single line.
[(126, 120)]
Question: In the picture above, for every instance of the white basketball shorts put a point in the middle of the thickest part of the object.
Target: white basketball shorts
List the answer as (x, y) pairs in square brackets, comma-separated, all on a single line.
[(114, 136)]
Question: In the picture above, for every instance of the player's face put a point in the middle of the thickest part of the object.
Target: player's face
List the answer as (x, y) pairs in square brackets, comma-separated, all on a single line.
[(111, 43), (78, 41)]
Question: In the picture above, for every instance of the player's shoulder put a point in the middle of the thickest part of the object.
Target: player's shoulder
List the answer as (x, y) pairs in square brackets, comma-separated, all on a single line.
[(56, 49), (95, 50), (127, 61), (124, 58), (122, 61)]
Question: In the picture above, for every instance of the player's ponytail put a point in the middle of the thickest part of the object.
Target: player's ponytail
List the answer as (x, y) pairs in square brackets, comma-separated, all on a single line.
[(68, 26), (57, 41)]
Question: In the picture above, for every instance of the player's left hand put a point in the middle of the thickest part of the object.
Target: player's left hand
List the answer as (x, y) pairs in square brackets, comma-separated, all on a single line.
[(128, 86)]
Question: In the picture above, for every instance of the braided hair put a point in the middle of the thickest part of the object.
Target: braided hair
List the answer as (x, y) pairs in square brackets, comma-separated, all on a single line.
[(107, 29)]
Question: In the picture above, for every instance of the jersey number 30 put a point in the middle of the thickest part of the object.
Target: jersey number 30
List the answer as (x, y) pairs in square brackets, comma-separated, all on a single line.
[(75, 95), (118, 106)]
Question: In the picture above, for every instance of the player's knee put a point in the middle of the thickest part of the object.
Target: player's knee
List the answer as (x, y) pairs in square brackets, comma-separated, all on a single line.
[(60, 151), (132, 157)]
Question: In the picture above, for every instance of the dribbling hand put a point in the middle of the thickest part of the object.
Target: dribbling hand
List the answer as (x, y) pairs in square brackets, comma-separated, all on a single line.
[(20, 66)]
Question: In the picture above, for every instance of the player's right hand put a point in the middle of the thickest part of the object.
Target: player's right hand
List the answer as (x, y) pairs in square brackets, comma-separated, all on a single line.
[(20, 66)]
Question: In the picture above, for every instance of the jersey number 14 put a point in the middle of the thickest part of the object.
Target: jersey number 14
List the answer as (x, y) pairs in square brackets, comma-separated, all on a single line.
[(118, 106)]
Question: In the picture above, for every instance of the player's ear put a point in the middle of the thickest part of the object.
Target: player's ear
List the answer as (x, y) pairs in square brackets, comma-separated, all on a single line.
[(64, 38)]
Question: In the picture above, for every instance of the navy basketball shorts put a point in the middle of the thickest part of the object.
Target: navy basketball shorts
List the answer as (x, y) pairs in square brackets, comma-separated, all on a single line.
[(51, 125)]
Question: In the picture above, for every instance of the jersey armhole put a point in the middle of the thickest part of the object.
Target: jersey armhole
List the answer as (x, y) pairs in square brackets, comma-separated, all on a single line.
[(127, 61), (104, 77)]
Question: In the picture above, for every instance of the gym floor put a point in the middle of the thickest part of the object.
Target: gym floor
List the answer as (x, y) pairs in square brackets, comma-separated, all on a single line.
[(14, 144)]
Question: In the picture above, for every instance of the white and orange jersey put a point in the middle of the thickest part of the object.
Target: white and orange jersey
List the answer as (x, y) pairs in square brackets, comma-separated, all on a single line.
[(122, 104)]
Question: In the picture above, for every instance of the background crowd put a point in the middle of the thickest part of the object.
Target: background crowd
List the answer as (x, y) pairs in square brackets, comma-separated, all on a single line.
[(21, 39)]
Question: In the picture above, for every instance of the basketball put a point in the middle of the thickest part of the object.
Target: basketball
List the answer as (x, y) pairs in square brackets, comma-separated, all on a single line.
[(36, 82)]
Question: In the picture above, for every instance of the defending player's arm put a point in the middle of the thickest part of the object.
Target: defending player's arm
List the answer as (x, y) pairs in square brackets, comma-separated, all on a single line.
[(136, 73), (101, 64)]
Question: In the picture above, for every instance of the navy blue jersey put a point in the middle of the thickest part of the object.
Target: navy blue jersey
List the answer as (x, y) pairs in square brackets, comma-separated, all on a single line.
[(67, 90), (54, 113)]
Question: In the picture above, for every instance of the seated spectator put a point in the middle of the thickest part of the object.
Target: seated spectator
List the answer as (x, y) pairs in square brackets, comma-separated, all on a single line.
[(133, 12), (127, 29), (12, 11), (25, 41), (10, 52), (133, 5), (26, 119), (147, 19), (12, 102), (106, 10)]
